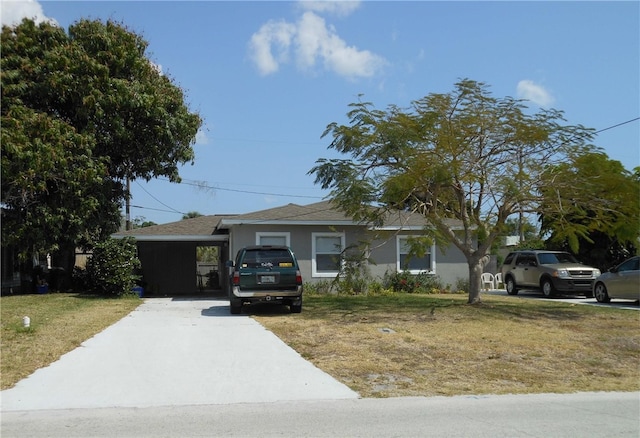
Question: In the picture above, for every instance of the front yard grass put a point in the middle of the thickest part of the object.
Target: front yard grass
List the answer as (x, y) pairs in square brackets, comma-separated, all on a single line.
[(429, 345), (59, 323)]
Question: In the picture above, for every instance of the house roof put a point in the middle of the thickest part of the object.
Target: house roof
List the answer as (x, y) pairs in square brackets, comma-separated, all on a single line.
[(213, 228), (320, 213)]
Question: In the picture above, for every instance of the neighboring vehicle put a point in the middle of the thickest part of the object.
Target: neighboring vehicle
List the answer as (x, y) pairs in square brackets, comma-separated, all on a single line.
[(623, 282), (549, 271), (265, 274)]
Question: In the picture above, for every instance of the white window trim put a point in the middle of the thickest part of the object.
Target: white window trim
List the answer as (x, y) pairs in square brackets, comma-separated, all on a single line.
[(285, 234), (399, 240), (314, 265)]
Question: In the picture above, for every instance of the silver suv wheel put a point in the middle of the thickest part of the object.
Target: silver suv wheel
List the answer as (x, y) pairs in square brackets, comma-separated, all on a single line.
[(547, 288)]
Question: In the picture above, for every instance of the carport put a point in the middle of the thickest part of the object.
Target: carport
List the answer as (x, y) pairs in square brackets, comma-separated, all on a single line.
[(169, 255)]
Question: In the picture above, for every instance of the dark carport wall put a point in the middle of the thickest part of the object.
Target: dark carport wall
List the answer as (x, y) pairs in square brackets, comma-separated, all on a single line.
[(168, 255)]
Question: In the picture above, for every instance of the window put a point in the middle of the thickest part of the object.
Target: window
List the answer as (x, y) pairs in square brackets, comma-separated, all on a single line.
[(414, 264), (273, 238), (326, 250), (526, 259)]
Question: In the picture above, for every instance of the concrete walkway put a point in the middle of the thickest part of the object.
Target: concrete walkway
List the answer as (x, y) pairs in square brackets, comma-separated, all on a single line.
[(172, 352)]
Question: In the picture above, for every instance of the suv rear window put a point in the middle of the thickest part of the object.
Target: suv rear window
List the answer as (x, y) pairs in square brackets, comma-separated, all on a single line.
[(276, 257)]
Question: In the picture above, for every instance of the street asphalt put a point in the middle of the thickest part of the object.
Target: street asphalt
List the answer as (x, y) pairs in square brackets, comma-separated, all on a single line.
[(171, 352)]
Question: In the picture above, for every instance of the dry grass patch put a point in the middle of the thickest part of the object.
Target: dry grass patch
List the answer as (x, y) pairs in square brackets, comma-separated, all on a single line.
[(59, 323), (426, 345)]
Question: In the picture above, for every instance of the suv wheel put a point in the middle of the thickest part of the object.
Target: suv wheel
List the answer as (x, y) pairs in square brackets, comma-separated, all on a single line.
[(600, 291), (547, 288), (296, 306), (510, 285), (235, 307)]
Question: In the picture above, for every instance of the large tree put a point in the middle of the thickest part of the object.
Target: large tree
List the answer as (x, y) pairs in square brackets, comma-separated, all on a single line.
[(463, 155), (83, 111), (603, 208)]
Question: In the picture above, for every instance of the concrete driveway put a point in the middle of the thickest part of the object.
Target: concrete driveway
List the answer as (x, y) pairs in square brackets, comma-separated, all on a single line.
[(171, 352)]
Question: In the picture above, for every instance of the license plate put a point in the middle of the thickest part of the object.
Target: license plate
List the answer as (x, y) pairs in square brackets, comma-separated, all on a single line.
[(269, 279)]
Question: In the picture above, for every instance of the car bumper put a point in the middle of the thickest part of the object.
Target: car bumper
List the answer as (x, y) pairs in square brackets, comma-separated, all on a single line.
[(294, 295), (573, 285)]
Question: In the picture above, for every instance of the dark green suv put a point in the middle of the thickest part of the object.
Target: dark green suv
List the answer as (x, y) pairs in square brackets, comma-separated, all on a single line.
[(265, 274)]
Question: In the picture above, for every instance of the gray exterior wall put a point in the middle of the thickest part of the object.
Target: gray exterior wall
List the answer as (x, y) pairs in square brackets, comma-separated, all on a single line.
[(451, 264)]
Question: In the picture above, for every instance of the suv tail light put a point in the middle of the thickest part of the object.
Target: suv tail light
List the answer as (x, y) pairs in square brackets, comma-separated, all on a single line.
[(236, 278), (298, 278)]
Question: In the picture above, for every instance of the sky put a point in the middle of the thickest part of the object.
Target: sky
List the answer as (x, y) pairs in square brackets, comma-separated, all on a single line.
[(267, 78)]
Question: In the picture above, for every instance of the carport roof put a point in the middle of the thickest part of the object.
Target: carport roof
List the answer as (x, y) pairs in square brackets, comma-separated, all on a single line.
[(199, 228)]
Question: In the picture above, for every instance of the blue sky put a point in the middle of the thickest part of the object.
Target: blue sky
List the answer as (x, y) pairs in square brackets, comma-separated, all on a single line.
[(268, 77)]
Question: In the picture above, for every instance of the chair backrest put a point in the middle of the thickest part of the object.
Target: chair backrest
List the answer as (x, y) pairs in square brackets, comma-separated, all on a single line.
[(498, 278), (487, 276), (488, 279)]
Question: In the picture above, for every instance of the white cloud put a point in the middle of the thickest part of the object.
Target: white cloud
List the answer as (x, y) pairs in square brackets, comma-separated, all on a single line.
[(311, 41), (13, 11), (274, 34), (535, 93), (339, 8)]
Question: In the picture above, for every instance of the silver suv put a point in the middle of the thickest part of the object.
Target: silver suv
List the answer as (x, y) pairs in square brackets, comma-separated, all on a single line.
[(550, 271)]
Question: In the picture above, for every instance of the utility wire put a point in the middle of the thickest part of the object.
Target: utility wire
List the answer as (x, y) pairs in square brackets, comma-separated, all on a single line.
[(169, 207), (207, 185), (615, 126)]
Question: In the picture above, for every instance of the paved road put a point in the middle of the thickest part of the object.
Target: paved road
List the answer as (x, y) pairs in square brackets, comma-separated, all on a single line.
[(591, 415)]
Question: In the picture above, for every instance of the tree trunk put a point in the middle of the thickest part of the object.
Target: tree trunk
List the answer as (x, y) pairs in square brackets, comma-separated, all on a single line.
[(476, 267)]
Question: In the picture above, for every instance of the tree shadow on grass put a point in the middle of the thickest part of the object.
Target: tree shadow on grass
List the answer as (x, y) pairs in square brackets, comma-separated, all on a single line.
[(328, 307)]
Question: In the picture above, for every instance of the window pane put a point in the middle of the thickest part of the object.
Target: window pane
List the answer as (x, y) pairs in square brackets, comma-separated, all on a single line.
[(273, 240), (415, 263), (328, 244), (327, 262)]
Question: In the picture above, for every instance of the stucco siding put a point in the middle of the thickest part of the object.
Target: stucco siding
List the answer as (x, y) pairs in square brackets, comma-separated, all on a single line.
[(450, 264)]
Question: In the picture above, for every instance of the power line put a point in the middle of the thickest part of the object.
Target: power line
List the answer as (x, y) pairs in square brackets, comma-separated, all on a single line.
[(169, 207), (207, 185), (615, 126), (156, 209)]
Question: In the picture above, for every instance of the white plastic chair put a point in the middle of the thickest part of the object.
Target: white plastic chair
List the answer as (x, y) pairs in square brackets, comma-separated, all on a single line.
[(488, 280), (498, 280)]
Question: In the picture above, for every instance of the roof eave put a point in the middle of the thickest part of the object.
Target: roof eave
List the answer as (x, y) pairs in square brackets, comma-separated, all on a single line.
[(175, 237)]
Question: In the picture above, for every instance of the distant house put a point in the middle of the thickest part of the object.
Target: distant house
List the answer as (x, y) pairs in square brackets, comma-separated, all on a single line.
[(317, 233)]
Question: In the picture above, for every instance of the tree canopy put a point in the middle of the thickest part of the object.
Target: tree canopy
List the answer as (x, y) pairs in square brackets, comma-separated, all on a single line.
[(464, 155), (601, 199), (82, 112)]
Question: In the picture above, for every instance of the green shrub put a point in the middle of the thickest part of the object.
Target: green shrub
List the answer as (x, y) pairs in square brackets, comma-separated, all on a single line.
[(412, 283), (322, 287), (112, 267), (354, 276), (462, 286)]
